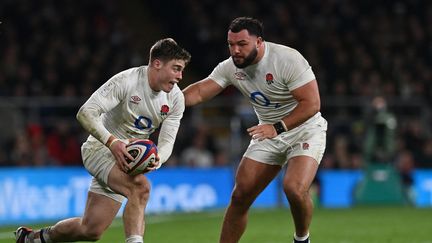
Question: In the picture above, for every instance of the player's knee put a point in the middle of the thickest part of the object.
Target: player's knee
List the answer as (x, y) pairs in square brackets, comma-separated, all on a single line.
[(295, 192), (241, 198), (140, 188)]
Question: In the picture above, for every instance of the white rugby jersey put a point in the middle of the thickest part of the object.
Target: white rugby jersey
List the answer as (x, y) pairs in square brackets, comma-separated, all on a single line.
[(125, 106), (268, 83)]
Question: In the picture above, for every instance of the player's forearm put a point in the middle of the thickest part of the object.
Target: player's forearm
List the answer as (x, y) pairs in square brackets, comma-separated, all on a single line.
[(301, 113), (90, 120), (192, 95), (201, 91)]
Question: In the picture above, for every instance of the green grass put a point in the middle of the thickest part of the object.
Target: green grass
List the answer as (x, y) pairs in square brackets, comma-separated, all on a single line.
[(356, 225)]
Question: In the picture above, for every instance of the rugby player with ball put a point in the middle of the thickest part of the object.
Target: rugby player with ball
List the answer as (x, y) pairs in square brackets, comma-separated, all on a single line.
[(126, 109)]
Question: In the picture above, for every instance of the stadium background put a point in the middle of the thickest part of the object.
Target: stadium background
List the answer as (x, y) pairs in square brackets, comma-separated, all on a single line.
[(55, 54)]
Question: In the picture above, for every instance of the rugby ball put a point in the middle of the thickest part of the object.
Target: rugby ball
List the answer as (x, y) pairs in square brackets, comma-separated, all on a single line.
[(144, 151)]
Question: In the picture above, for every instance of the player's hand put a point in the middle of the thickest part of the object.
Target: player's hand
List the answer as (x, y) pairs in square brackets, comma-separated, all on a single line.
[(118, 149), (261, 132), (156, 164)]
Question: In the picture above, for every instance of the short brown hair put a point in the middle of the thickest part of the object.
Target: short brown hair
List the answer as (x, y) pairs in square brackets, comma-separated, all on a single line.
[(167, 49)]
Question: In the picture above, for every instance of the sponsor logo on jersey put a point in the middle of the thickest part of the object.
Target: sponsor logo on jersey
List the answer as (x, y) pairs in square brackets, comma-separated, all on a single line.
[(305, 146), (164, 110), (269, 78), (135, 99), (240, 75)]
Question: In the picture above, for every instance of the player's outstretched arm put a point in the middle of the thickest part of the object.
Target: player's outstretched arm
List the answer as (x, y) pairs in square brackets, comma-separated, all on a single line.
[(201, 91)]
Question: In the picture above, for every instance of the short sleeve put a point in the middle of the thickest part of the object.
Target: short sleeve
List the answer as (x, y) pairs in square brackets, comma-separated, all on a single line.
[(298, 72), (219, 74)]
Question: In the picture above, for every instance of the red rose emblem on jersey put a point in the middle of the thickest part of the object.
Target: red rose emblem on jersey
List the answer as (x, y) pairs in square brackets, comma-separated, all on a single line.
[(164, 110), (269, 78)]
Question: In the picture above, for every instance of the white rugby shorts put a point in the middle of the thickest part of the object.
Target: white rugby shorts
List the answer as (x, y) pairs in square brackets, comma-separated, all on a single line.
[(98, 160), (308, 139)]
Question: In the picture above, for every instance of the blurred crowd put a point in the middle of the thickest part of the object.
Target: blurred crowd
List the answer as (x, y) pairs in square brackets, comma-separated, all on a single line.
[(55, 49), (359, 51)]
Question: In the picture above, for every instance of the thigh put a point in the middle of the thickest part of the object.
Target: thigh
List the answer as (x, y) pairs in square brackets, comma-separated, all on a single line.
[(253, 176), (109, 180), (300, 172), (99, 212), (124, 184)]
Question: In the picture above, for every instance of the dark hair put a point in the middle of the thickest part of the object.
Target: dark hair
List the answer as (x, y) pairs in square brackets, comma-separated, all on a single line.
[(253, 26), (167, 50)]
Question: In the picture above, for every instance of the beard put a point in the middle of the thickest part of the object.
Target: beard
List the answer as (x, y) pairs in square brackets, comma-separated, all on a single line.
[(248, 60)]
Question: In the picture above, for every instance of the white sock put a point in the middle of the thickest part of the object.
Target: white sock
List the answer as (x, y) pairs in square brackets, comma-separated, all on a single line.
[(135, 239), (302, 238)]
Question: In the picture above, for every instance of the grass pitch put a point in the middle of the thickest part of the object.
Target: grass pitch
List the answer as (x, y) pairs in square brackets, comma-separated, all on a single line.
[(355, 225)]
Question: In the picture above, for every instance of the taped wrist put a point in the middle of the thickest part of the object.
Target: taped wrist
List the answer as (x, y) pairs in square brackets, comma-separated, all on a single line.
[(125, 141), (112, 142)]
